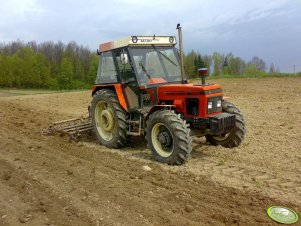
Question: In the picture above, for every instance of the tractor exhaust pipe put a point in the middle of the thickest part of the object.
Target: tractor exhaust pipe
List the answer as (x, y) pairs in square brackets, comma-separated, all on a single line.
[(179, 28), (203, 72)]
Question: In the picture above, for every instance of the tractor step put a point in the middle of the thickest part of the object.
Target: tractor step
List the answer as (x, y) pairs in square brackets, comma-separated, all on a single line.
[(134, 122), (135, 128), (133, 133)]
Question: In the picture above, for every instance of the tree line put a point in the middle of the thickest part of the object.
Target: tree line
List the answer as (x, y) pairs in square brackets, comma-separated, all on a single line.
[(50, 65), (226, 64), (47, 65)]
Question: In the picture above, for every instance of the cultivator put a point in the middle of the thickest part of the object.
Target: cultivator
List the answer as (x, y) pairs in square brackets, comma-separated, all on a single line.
[(72, 127)]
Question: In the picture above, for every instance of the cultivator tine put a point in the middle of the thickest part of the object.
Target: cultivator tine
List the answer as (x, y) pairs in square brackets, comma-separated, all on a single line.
[(73, 127)]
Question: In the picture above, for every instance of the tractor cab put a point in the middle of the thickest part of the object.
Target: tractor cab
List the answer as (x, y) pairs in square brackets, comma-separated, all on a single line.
[(145, 59)]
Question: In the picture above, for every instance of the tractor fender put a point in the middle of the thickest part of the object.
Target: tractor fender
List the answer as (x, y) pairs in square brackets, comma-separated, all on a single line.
[(158, 108), (118, 90)]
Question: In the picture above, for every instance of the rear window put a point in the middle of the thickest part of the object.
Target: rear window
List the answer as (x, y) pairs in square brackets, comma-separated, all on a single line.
[(107, 72)]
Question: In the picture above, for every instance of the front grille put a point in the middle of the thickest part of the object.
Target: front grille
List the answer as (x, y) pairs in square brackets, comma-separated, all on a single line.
[(214, 105), (222, 123), (192, 106)]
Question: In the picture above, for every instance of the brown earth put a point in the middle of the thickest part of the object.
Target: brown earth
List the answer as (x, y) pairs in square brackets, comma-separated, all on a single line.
[(46, 180)]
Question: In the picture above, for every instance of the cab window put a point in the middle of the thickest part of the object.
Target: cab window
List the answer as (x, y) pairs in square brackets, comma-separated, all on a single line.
[(107, 72)]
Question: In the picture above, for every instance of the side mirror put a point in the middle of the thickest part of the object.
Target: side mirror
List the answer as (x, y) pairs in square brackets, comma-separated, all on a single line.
[(124, 58)]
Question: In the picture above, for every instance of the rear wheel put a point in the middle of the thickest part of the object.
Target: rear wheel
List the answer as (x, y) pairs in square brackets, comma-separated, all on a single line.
[(108, 119), (167, 136), (235, 137)]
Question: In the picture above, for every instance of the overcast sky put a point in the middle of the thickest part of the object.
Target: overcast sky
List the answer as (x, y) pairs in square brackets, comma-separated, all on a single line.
[(270, 29)]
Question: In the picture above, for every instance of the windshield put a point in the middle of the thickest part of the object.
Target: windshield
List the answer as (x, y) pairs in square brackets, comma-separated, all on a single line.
[(156, 64)]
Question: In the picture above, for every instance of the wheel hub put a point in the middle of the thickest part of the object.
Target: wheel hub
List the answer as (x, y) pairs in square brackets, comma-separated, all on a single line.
[(164, 139), (106, 120)]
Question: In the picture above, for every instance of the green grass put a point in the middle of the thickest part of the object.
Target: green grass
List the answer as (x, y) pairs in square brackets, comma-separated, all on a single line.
[(281, 75), (14, 91)]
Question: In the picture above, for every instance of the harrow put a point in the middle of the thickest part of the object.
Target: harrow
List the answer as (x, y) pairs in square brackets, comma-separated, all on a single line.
[(72, 127)]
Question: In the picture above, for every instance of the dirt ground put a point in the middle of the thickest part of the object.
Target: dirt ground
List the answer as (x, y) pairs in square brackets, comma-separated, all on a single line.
[(46, 180)]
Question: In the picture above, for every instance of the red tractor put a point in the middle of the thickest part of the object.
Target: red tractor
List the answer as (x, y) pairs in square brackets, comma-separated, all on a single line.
[(141, 89)]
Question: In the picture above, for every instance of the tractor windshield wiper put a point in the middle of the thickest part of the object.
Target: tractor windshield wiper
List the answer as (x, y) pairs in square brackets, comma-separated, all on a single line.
[(143, 69), (166, 57)]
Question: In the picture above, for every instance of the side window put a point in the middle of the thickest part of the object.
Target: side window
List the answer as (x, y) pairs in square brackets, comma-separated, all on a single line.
[(107, 72), (126, 72)]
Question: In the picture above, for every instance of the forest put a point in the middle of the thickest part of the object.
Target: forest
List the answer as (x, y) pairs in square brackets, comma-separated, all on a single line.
[(47, 65), (58, 66)]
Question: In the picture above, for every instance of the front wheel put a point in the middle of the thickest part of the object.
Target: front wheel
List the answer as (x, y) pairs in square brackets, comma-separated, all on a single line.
[(167, 136), (235, 137)]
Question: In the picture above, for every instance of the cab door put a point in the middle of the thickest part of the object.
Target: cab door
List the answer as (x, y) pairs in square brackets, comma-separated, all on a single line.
[(127, 78)]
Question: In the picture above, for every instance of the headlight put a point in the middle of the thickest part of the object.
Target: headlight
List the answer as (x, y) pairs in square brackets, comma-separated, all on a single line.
[(209, 105), (219, 103)]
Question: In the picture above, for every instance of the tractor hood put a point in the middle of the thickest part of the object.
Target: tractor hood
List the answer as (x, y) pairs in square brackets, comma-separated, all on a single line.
[(192, 100), (189, 89)]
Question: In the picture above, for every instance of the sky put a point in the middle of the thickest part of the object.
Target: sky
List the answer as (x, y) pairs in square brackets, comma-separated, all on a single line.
[(270, 29)]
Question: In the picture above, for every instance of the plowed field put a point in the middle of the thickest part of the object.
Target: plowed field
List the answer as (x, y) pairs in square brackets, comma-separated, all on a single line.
[(47, 180)]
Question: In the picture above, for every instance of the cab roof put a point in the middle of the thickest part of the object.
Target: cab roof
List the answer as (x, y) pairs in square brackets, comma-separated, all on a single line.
[(138, 41)]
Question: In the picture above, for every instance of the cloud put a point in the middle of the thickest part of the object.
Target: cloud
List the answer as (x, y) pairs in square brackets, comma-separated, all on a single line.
[(244, 27)]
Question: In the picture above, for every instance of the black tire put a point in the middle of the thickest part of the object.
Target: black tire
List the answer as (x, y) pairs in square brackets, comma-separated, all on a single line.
[(116, 136), (235, 137), (168, 137)]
